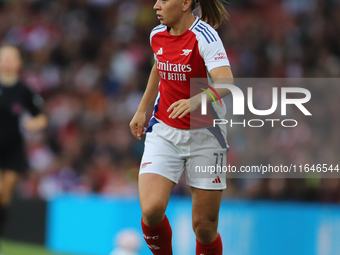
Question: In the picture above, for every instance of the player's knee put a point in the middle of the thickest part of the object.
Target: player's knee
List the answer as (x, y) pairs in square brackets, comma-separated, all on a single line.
[(205, 229), (153, 214)]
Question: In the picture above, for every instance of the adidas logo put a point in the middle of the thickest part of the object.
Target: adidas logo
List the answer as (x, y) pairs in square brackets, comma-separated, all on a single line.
[(217, 180), (160, 51)]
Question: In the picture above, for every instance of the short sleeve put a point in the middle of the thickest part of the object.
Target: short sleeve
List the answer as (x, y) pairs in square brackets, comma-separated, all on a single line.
[(156, 30), (211, 47)]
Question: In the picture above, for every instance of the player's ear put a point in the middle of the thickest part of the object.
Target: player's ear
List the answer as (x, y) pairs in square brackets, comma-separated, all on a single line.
[(186, 4)]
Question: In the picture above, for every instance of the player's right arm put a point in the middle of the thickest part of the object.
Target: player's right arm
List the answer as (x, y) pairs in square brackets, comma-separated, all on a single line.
[(149, 97)]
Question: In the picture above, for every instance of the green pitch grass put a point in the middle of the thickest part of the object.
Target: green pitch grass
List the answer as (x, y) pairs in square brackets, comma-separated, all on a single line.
[(8, 247)]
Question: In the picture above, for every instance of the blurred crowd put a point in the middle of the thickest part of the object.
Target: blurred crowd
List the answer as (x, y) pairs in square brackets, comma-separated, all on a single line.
[(90, 61)]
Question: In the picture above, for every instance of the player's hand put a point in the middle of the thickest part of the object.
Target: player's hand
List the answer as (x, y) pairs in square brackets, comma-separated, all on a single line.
[(137, 125), (35, 124), (179, 109)]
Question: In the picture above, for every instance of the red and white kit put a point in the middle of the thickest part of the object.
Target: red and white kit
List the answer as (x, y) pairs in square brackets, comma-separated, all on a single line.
[(170, 146)]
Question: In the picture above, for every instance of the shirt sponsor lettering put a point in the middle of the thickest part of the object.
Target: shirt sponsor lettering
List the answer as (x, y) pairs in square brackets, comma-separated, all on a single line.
[(173, 72), (221, 55)]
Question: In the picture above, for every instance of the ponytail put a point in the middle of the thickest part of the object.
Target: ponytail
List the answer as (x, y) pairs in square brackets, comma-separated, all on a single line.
[(212, 11)]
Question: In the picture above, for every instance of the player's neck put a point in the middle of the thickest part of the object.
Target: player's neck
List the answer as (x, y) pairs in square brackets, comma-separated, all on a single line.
[(182, 25), (9, 79)]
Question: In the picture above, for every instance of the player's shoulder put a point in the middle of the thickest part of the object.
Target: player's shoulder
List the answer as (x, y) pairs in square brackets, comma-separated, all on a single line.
[(204, 32), (158, 29)]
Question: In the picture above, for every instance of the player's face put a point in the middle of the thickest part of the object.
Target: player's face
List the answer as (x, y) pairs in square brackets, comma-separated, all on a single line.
[(169, 12), (10, 60)]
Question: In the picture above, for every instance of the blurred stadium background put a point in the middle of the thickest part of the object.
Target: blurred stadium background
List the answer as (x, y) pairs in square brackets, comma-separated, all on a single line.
[(90, 60)]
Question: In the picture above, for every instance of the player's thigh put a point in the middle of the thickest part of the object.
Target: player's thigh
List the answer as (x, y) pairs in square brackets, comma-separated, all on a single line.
[(205, 211), (161, 156), (12, 163), (154, 193), (160, 170), (14, 157), (9, 179), (206, 204)]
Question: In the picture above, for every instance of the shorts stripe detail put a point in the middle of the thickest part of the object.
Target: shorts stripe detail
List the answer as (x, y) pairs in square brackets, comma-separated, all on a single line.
[(152, 122), (216, 131)]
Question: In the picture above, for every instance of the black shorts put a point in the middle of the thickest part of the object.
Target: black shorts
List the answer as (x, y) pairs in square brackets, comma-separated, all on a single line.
[(13, 156)]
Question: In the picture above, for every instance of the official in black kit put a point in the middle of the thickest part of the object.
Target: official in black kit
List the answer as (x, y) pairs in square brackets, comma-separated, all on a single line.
[(15, 100)]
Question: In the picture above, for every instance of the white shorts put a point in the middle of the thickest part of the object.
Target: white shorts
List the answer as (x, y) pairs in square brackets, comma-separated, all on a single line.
[(202, 153)]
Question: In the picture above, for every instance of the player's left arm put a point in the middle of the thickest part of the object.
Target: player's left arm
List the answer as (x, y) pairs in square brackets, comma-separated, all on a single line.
[(222, 72), (221, 75)]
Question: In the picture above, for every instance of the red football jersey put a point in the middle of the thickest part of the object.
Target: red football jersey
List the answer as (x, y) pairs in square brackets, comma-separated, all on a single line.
[(179, 58)]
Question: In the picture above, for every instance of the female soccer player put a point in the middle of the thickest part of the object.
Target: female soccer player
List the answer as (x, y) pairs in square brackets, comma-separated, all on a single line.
[(15, 99), (184, 47)]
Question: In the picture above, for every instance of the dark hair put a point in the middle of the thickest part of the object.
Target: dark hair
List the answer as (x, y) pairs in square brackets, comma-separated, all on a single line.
[(212, 11)]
